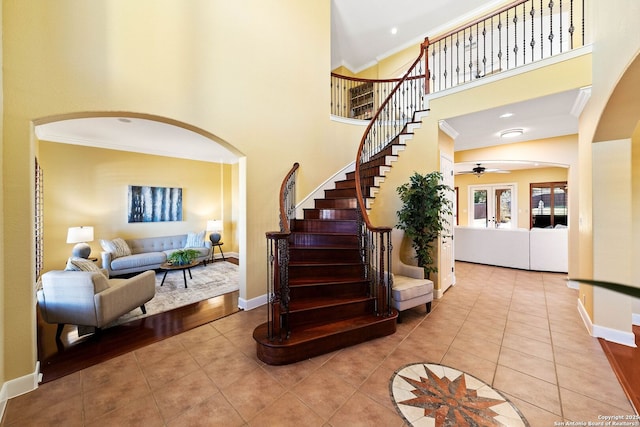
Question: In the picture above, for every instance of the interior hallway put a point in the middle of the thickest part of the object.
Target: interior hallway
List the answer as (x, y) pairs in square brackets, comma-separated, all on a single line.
[(518, 331)]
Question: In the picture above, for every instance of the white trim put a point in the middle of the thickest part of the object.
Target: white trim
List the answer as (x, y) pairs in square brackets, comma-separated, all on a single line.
[(439, 293), (572, 284), (448, 129), (585, 317), (581, 101), (635, 319), (3, 400), (253, 302), (18, 386), (349, 121), (615, 335)]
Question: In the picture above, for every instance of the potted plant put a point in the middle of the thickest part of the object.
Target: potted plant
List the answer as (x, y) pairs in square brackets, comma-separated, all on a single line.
[(423, 215), (182, 256)]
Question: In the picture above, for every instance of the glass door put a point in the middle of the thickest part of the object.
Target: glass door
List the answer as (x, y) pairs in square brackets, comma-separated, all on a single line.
[(493, 206)]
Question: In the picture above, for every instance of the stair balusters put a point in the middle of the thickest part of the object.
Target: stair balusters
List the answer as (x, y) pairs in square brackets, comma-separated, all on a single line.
[(278, 262)]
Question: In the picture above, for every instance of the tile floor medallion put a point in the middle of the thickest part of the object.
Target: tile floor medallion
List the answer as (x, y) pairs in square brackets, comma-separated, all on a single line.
[(435, 395)]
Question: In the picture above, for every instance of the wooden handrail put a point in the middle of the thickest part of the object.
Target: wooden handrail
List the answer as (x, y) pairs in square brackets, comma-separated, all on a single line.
[(358, 184), (360, 79), (284, 214)]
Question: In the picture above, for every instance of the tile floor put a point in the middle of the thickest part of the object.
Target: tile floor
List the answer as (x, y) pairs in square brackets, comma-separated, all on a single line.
[(517, 331)]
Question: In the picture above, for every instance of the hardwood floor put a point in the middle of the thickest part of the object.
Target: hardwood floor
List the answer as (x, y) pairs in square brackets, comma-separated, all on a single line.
[(73, 353), (625, 362)]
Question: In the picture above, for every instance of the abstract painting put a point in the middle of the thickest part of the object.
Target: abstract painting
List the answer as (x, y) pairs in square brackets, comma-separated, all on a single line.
[(154, 204)]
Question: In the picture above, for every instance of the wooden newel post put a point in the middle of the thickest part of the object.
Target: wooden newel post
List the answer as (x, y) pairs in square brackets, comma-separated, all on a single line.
[(427, 74)]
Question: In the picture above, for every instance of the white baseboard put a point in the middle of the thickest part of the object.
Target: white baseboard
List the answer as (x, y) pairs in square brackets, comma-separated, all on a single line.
[(253, 302), (18, 386), (635, 319), (572, 284), (227, 255), (615, 335), (609, 334), (585, 317)]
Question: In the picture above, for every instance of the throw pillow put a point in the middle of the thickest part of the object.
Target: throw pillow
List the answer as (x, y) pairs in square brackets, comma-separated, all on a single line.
[(195, 240), (81, 264), (118, 247)]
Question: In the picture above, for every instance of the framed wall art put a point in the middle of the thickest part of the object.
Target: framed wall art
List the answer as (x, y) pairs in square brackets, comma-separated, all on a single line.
[(154, 204)]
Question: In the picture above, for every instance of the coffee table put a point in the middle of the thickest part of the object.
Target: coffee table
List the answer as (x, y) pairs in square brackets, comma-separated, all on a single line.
[(167, 267)]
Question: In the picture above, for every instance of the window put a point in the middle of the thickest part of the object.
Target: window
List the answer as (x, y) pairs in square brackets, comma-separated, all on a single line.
[(493, 206), (549, 204)]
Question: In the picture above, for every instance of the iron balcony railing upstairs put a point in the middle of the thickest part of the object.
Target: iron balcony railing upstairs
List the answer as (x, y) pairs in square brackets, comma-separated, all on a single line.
[(520, 33), (358, 98), (278, 262)]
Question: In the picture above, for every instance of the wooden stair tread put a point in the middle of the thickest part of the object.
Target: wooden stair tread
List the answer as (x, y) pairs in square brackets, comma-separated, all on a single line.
[(324, 302), (316, 339), (306, 332), (327, 283)]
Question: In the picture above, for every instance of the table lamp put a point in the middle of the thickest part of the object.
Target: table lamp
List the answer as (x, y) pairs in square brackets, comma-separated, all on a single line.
[(215, 227), (80, 236)]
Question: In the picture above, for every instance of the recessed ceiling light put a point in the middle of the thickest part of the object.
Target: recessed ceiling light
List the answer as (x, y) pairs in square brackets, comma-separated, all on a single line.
[(510, 133), (394, 30), (506, 115), (123, 120)]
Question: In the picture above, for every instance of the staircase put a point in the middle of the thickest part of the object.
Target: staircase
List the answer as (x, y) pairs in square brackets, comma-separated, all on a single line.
[(331, 303), (328, 280)]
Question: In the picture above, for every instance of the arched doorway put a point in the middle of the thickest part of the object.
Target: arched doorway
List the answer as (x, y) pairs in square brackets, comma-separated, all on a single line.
[(101, 153)]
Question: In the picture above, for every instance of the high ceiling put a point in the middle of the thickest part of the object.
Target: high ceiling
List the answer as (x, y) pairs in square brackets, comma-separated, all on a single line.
[(361, 30), (360, 35)]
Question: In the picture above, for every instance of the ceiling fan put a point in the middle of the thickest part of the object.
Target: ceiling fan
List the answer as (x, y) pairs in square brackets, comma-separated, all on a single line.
[(480, 170)]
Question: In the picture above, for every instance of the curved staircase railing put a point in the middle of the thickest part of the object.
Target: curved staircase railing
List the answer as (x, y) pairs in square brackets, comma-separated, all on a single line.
[(278, 261), (383, 130)]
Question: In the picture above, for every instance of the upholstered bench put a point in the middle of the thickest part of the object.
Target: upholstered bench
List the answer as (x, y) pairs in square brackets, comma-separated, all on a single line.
[(410, 288)]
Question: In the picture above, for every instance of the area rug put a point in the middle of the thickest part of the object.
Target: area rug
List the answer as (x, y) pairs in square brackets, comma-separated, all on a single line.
[(208, 281), (436, 395)]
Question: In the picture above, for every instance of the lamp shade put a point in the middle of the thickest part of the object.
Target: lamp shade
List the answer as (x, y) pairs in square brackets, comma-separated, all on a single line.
[(214, 225), (80, 234)]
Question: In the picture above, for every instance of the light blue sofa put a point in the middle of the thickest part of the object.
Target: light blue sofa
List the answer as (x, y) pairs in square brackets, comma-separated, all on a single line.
[(149, 253)]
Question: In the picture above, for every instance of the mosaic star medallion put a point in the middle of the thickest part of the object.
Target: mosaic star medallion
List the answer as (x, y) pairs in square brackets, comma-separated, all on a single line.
[(436, 395)]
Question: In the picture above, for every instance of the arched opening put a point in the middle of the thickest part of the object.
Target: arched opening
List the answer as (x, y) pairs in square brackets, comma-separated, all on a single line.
[(90, 159)]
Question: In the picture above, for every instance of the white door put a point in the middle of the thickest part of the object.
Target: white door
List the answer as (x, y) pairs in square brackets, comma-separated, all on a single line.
[(446, 269), (493, 206)]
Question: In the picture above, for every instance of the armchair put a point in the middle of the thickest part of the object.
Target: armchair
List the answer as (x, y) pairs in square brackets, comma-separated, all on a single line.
[(90, 299), (410, 287)]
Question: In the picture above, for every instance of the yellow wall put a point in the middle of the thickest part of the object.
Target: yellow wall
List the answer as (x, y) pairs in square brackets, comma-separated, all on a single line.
[(215, 65), (237, 70), (88, 186), (522, 178), (616, 43), (3, 311)]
